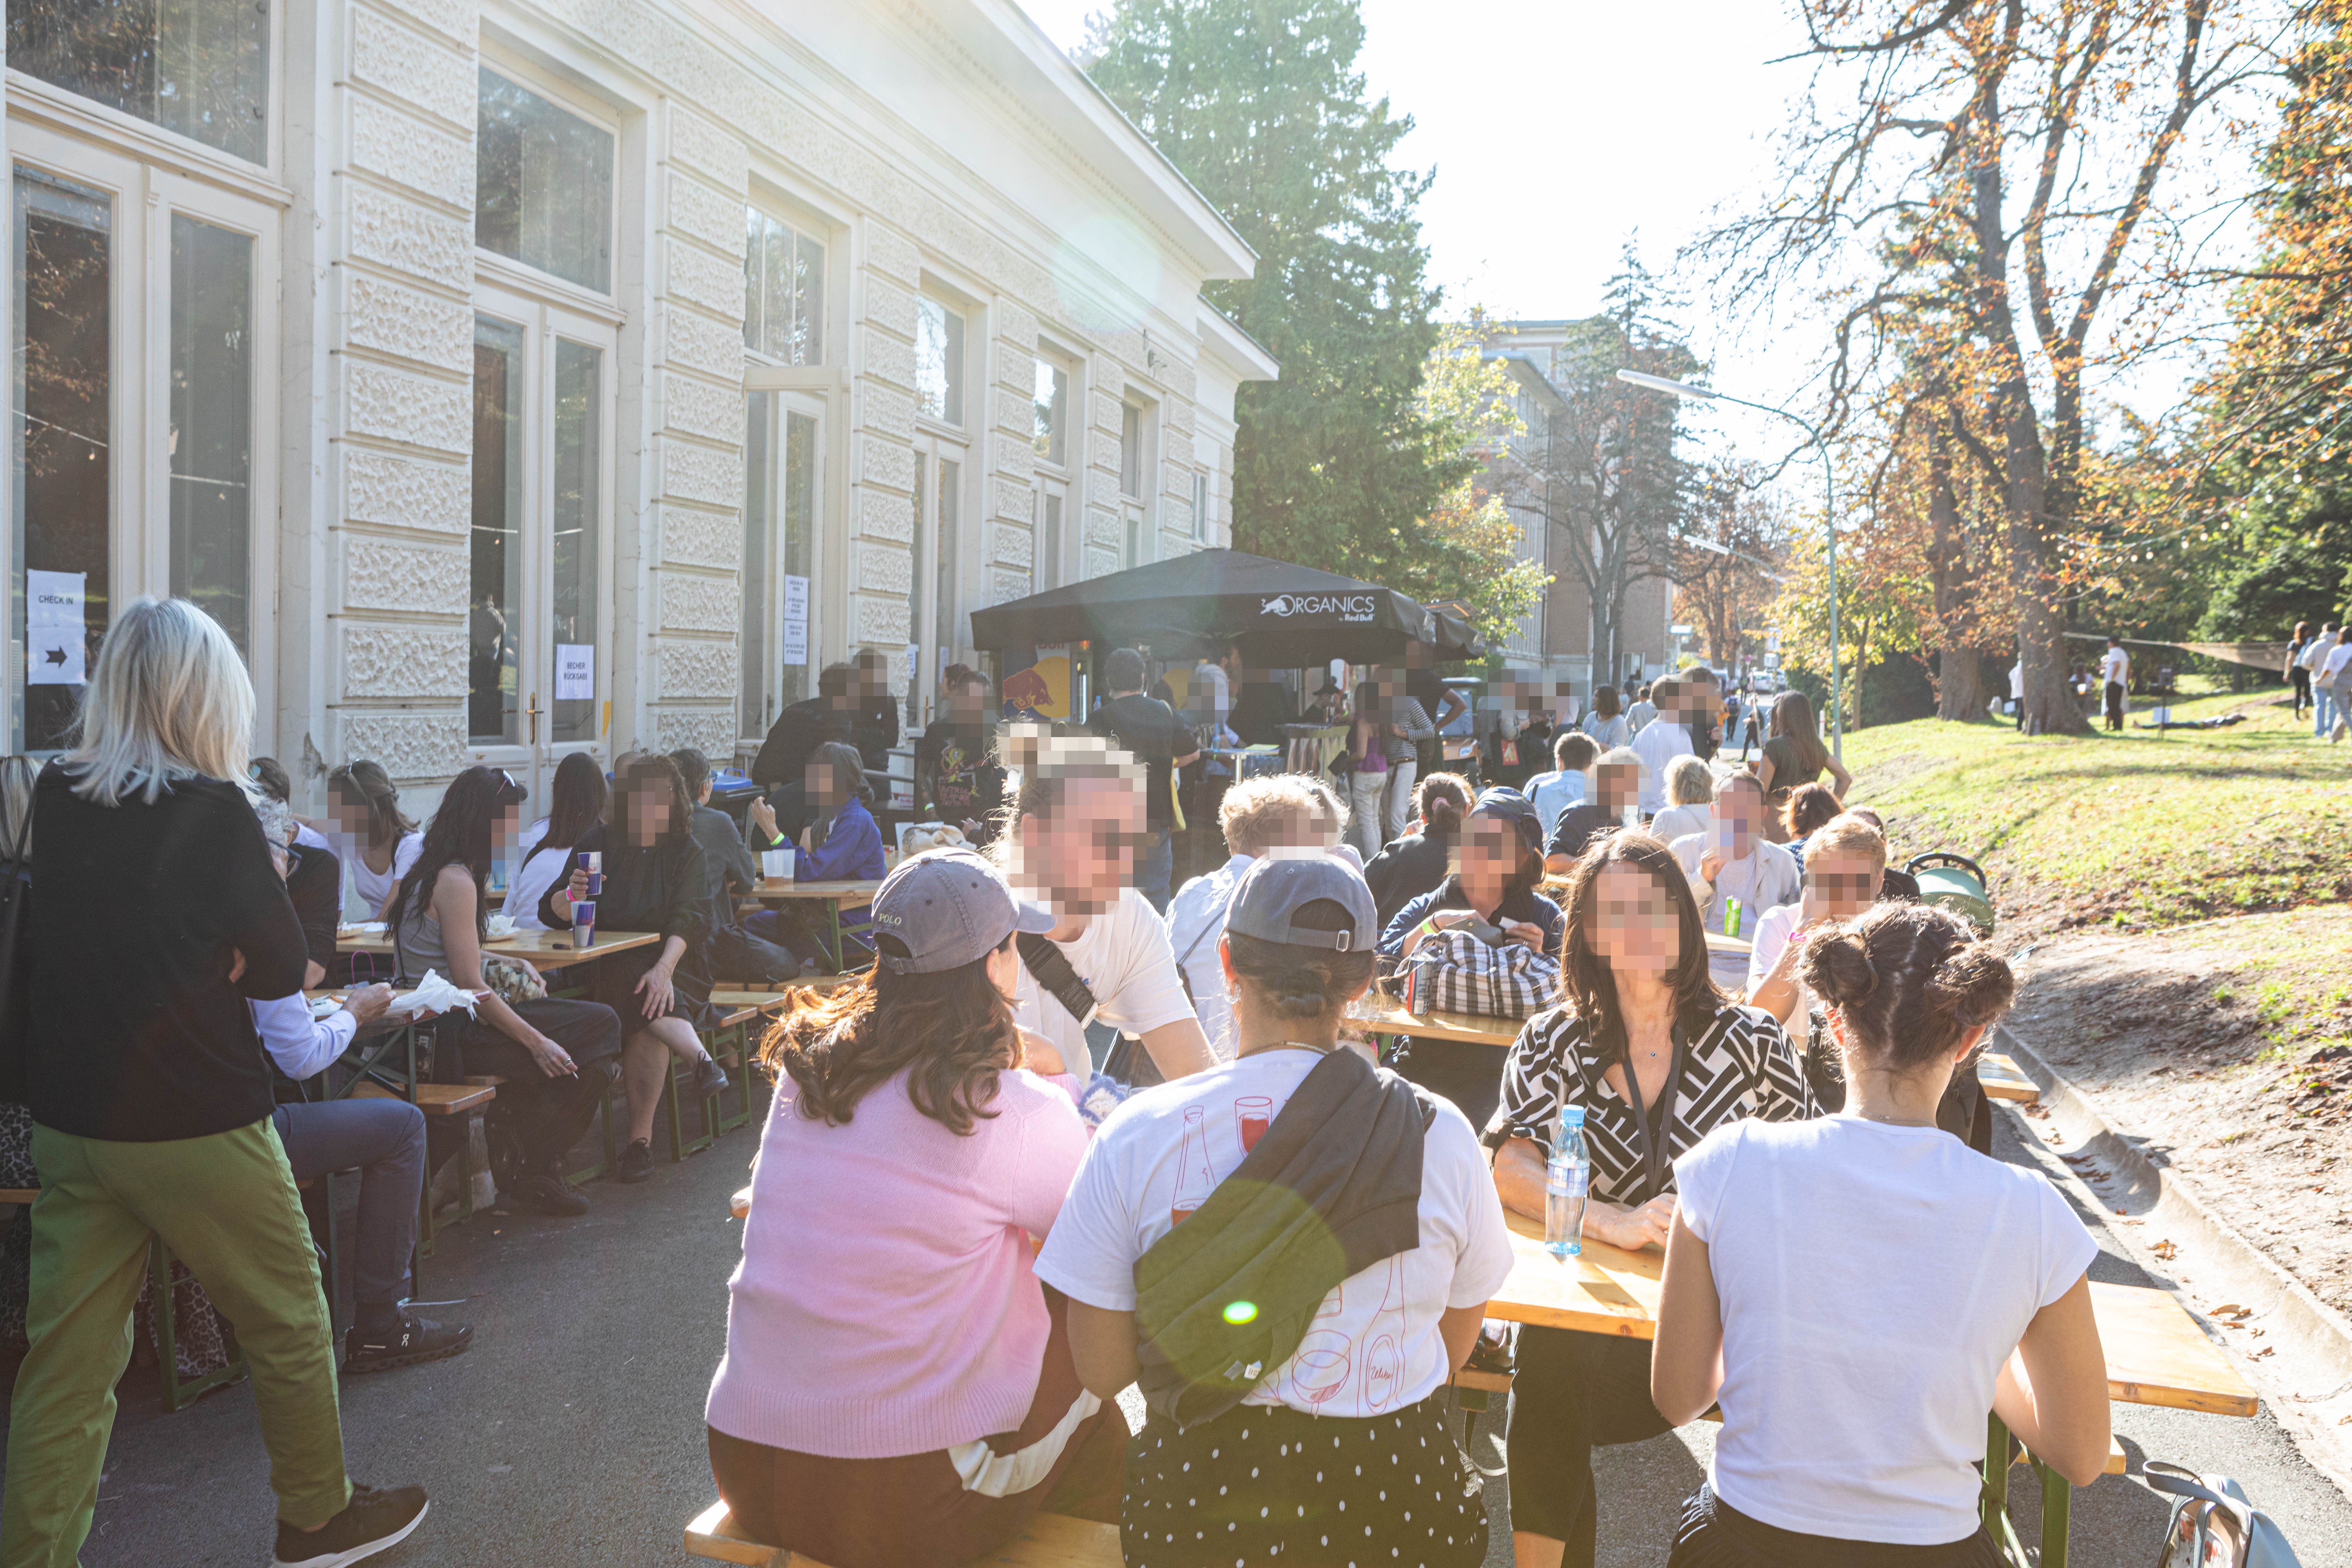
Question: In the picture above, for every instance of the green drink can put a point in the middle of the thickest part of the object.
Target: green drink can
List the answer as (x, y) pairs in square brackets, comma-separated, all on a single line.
[(1730, 916)]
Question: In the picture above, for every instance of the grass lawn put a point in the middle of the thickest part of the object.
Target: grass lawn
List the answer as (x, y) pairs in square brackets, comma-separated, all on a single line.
[(2140, 830)]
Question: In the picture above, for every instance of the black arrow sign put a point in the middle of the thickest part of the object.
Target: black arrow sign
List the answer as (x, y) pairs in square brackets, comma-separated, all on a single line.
[(54, 656)]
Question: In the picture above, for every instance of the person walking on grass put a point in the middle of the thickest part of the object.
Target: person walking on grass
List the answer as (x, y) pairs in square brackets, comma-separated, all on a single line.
[(2321, 702), (2335, 679), (2297, 673), (151, 1099), (2115, 670)]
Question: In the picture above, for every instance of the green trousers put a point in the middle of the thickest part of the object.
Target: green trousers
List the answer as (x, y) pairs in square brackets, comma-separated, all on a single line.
[(228, 1206)]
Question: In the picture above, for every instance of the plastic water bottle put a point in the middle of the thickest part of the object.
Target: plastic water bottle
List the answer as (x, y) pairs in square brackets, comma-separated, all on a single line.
[(1568, 1177)]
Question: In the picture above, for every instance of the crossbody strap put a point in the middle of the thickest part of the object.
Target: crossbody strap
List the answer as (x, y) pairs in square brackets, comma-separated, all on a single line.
[(1051, 968)]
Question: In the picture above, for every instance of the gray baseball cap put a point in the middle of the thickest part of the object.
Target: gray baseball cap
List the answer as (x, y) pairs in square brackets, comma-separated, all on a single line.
[(1278, 885), (950, 908)]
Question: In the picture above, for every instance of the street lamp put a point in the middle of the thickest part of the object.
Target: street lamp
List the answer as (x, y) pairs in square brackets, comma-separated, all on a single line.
[(1829, 489)]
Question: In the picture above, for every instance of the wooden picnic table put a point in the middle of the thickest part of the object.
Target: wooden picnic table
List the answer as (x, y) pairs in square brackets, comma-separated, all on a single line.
[(2155, 1353), (541, 949), (837, 896), (1376, 1013)]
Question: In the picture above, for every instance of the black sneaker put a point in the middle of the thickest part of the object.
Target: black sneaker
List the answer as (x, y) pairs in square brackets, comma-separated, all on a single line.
[(637, 1160), (371, 1522), (548, 1192), (709, 1079), (412, 1340)]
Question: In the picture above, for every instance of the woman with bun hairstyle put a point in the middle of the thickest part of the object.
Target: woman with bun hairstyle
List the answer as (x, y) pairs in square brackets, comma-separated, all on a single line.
[(1656, 1057), (1418, 862), (1290, 1254), (1854, 1389)]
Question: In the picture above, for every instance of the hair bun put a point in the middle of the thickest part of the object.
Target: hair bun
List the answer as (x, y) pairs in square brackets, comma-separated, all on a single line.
[(1838, 968)]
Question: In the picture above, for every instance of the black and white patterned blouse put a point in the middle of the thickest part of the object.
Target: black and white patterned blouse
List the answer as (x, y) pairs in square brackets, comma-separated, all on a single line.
[(1740, 1066)]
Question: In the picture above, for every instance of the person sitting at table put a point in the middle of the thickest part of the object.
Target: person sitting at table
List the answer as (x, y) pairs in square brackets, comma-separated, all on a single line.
[(1734, 861), (654, 881), (1420, 861), (1636, 999), (729, 950), (1690, 801), (1854, 1385), (797, 733), (1257, 816), (377, 842), (1809, 806), (957, 777), (842, 843), (1069, 842), (1570, 780), (274, 781), (1502, 862), (1895, 885), (1313, 1421), (897, 1388), (1614, 804), (384, 1139), (557, 1058), (576, 804), (1841, 881)]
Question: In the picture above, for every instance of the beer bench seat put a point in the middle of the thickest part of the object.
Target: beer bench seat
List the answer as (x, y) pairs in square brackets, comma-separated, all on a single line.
[(1050, 1541), (434, 1098)]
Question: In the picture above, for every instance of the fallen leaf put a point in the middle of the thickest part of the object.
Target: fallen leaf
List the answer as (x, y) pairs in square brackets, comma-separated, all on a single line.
[(2261, 1352), (2165, 1249), (2229, 1307)]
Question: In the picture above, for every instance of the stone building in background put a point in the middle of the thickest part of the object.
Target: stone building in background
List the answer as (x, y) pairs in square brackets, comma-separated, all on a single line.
[(514, 381)]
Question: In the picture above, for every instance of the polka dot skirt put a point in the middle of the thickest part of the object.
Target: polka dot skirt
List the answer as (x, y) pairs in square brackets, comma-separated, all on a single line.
[(1264, 1484)]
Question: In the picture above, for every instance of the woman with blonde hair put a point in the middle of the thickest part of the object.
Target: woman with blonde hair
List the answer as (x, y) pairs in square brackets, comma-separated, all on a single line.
[(1690, 801), (151, 1096)]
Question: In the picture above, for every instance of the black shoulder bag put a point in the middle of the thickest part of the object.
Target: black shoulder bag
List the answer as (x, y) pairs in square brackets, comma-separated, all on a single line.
[(1054, 976)]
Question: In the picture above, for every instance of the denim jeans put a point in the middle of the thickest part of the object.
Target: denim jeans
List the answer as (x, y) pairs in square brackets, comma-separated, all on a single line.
[(384, 1140), (2323, 710)]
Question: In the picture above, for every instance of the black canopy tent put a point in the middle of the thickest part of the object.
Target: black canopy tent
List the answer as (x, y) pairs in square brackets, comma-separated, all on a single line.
[(1284, 616)]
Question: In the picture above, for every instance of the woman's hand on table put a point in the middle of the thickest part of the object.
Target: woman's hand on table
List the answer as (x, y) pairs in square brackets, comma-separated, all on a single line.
[(655, 986), (1039, 1054), (552, 1060), (368, 1003), (1633, 1228)]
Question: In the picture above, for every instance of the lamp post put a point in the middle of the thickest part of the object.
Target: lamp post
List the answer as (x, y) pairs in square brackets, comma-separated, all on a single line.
[(1828, 491)]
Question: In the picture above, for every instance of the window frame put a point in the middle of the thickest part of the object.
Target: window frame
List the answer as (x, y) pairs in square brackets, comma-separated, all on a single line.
[(807, 223), (512, 272), (958, 365), (146, 196), (70, 111)]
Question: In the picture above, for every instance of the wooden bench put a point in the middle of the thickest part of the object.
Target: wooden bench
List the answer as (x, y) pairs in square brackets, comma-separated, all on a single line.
[(461, 1100), (2001, 1078), (1050, 1541)]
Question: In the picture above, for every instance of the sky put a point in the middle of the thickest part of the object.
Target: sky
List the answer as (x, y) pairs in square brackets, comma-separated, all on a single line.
[(1560, 128)]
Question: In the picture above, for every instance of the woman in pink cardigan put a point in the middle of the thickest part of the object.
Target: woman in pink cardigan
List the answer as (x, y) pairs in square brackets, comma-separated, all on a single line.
[(898, 1387)]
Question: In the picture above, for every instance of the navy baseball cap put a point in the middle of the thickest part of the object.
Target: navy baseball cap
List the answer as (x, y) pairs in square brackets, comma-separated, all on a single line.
[(949, 907), (1509, 806), (1279, 885)]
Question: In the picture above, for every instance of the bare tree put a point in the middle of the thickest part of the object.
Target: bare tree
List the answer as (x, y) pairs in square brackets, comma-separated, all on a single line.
[(1729, 560), (1999, 159), (1601, 478)]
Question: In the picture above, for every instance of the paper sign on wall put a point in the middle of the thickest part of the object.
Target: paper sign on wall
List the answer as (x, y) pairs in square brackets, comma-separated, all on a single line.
[(55, 641), (797, 596), (914, 664), (575, 671)]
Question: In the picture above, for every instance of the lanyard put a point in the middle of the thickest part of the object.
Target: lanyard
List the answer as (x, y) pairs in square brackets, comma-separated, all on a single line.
[(1651, 1140)]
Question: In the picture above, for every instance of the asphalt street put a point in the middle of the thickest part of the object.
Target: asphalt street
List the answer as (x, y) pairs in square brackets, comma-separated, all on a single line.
[(572, 1435)]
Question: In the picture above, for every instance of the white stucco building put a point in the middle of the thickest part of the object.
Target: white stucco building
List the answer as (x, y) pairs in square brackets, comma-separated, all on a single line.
[(514, 380)]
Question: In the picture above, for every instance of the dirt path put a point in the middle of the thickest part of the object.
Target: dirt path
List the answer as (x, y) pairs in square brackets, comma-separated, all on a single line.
[(2231, 1063)]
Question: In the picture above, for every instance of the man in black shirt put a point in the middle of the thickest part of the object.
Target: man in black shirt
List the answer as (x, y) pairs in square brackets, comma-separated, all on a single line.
[(797, 733), (957, 776), (873, 713), (1150, 732)]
